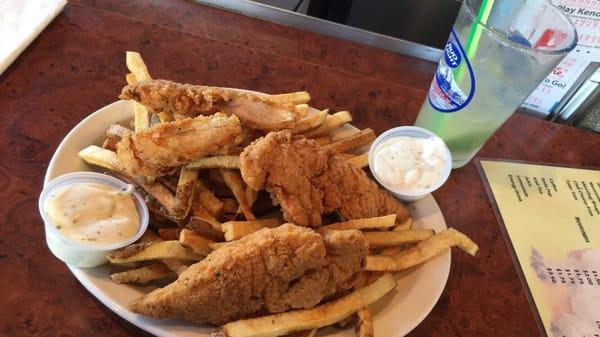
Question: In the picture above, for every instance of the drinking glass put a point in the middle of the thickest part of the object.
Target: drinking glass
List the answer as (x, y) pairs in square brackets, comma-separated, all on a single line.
[(497, 53)]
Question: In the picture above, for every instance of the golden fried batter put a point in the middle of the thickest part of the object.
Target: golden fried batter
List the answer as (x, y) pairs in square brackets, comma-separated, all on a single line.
[(272, 270), (187, 100), (308, 180), (155, 151)]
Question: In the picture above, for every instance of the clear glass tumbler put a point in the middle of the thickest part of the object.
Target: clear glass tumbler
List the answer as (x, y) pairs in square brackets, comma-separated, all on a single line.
[(497, 53)]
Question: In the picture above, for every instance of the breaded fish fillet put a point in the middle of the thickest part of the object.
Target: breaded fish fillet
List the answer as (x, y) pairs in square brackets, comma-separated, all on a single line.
[(186, 100), (155, 151), (272, 270), (308, 180)]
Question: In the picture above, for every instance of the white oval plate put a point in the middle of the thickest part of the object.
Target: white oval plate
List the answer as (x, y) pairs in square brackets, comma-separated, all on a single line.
[(395, 315)]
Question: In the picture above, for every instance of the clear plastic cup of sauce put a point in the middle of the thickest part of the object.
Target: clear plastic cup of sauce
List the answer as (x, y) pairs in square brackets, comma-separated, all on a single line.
[(72, 248), (410, 162)]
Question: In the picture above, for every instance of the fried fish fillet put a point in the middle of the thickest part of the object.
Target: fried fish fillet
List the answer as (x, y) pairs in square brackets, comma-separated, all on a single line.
[(309, 180), (187, 100), (157, 150), (272, 270)]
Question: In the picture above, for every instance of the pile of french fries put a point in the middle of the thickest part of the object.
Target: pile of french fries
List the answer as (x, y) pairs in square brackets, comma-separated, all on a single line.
[(207, 204)]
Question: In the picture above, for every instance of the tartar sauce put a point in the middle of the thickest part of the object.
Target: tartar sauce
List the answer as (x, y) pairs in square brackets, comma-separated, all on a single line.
[(408, 164), (94, 214)]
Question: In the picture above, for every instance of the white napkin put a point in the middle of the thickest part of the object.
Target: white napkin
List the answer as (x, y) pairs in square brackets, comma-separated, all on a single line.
[(20, 22)]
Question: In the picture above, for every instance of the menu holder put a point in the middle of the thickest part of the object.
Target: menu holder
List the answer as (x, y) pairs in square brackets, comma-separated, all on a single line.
[(550, 218)]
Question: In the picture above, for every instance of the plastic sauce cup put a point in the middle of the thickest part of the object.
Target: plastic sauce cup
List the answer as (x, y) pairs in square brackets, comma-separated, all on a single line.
[(76, 253), (414, 132)]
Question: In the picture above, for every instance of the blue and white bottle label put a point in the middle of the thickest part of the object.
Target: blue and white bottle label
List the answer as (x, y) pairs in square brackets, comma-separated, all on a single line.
[(445, 95)]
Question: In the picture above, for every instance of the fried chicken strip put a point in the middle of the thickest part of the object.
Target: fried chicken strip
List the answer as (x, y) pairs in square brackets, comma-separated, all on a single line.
[(187, 100), (309, 180), (157, 150), (269, 271)]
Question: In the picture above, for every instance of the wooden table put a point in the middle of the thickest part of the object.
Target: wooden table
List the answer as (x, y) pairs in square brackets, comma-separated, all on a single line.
[(77, 66)]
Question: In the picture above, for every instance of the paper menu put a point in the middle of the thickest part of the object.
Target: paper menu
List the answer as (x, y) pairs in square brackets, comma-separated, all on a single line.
[(551, 217)]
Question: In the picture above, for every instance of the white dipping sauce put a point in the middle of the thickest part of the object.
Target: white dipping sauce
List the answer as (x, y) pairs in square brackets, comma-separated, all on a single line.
[(94, 214), (408, 164)]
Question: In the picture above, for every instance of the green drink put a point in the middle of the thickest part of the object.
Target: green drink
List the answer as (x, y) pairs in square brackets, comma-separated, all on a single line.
[(497, 53)]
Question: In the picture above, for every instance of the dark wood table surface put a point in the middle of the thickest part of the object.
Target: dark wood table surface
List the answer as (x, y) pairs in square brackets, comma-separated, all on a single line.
[(77, 66)]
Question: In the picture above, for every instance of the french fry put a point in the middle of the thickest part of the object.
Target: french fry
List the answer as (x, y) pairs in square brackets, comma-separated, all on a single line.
[(152, 251), (366, 278), (144, 274), (346, 156), (205, 228), (185, 192), (208, 199), (360, 160), (199, 244), (300, 97), (310, 122), (117, 131), (141, 117), (251, 195), (205, 208), (364, 137), (464, 242), (391, 239), (323, 140), (178, 266), (98, 156), (422, 251), (158, 211), (169, 181), (302, 109), (199, 212), (114, 133), (404, 225), (165, 117), (130, 78), (225, 161), (364, 328), (377, 222), (317, 317), (174, 265), (217, 245), (170, 233), (374, 276), (138, 69), (391, 250), (234, 181), (234, 230), (331, 123), (160, 192), (137, 66)]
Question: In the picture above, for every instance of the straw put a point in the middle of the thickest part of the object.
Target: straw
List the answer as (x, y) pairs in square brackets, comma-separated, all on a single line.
[(470, 48), (484, 13), (475, 35)]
